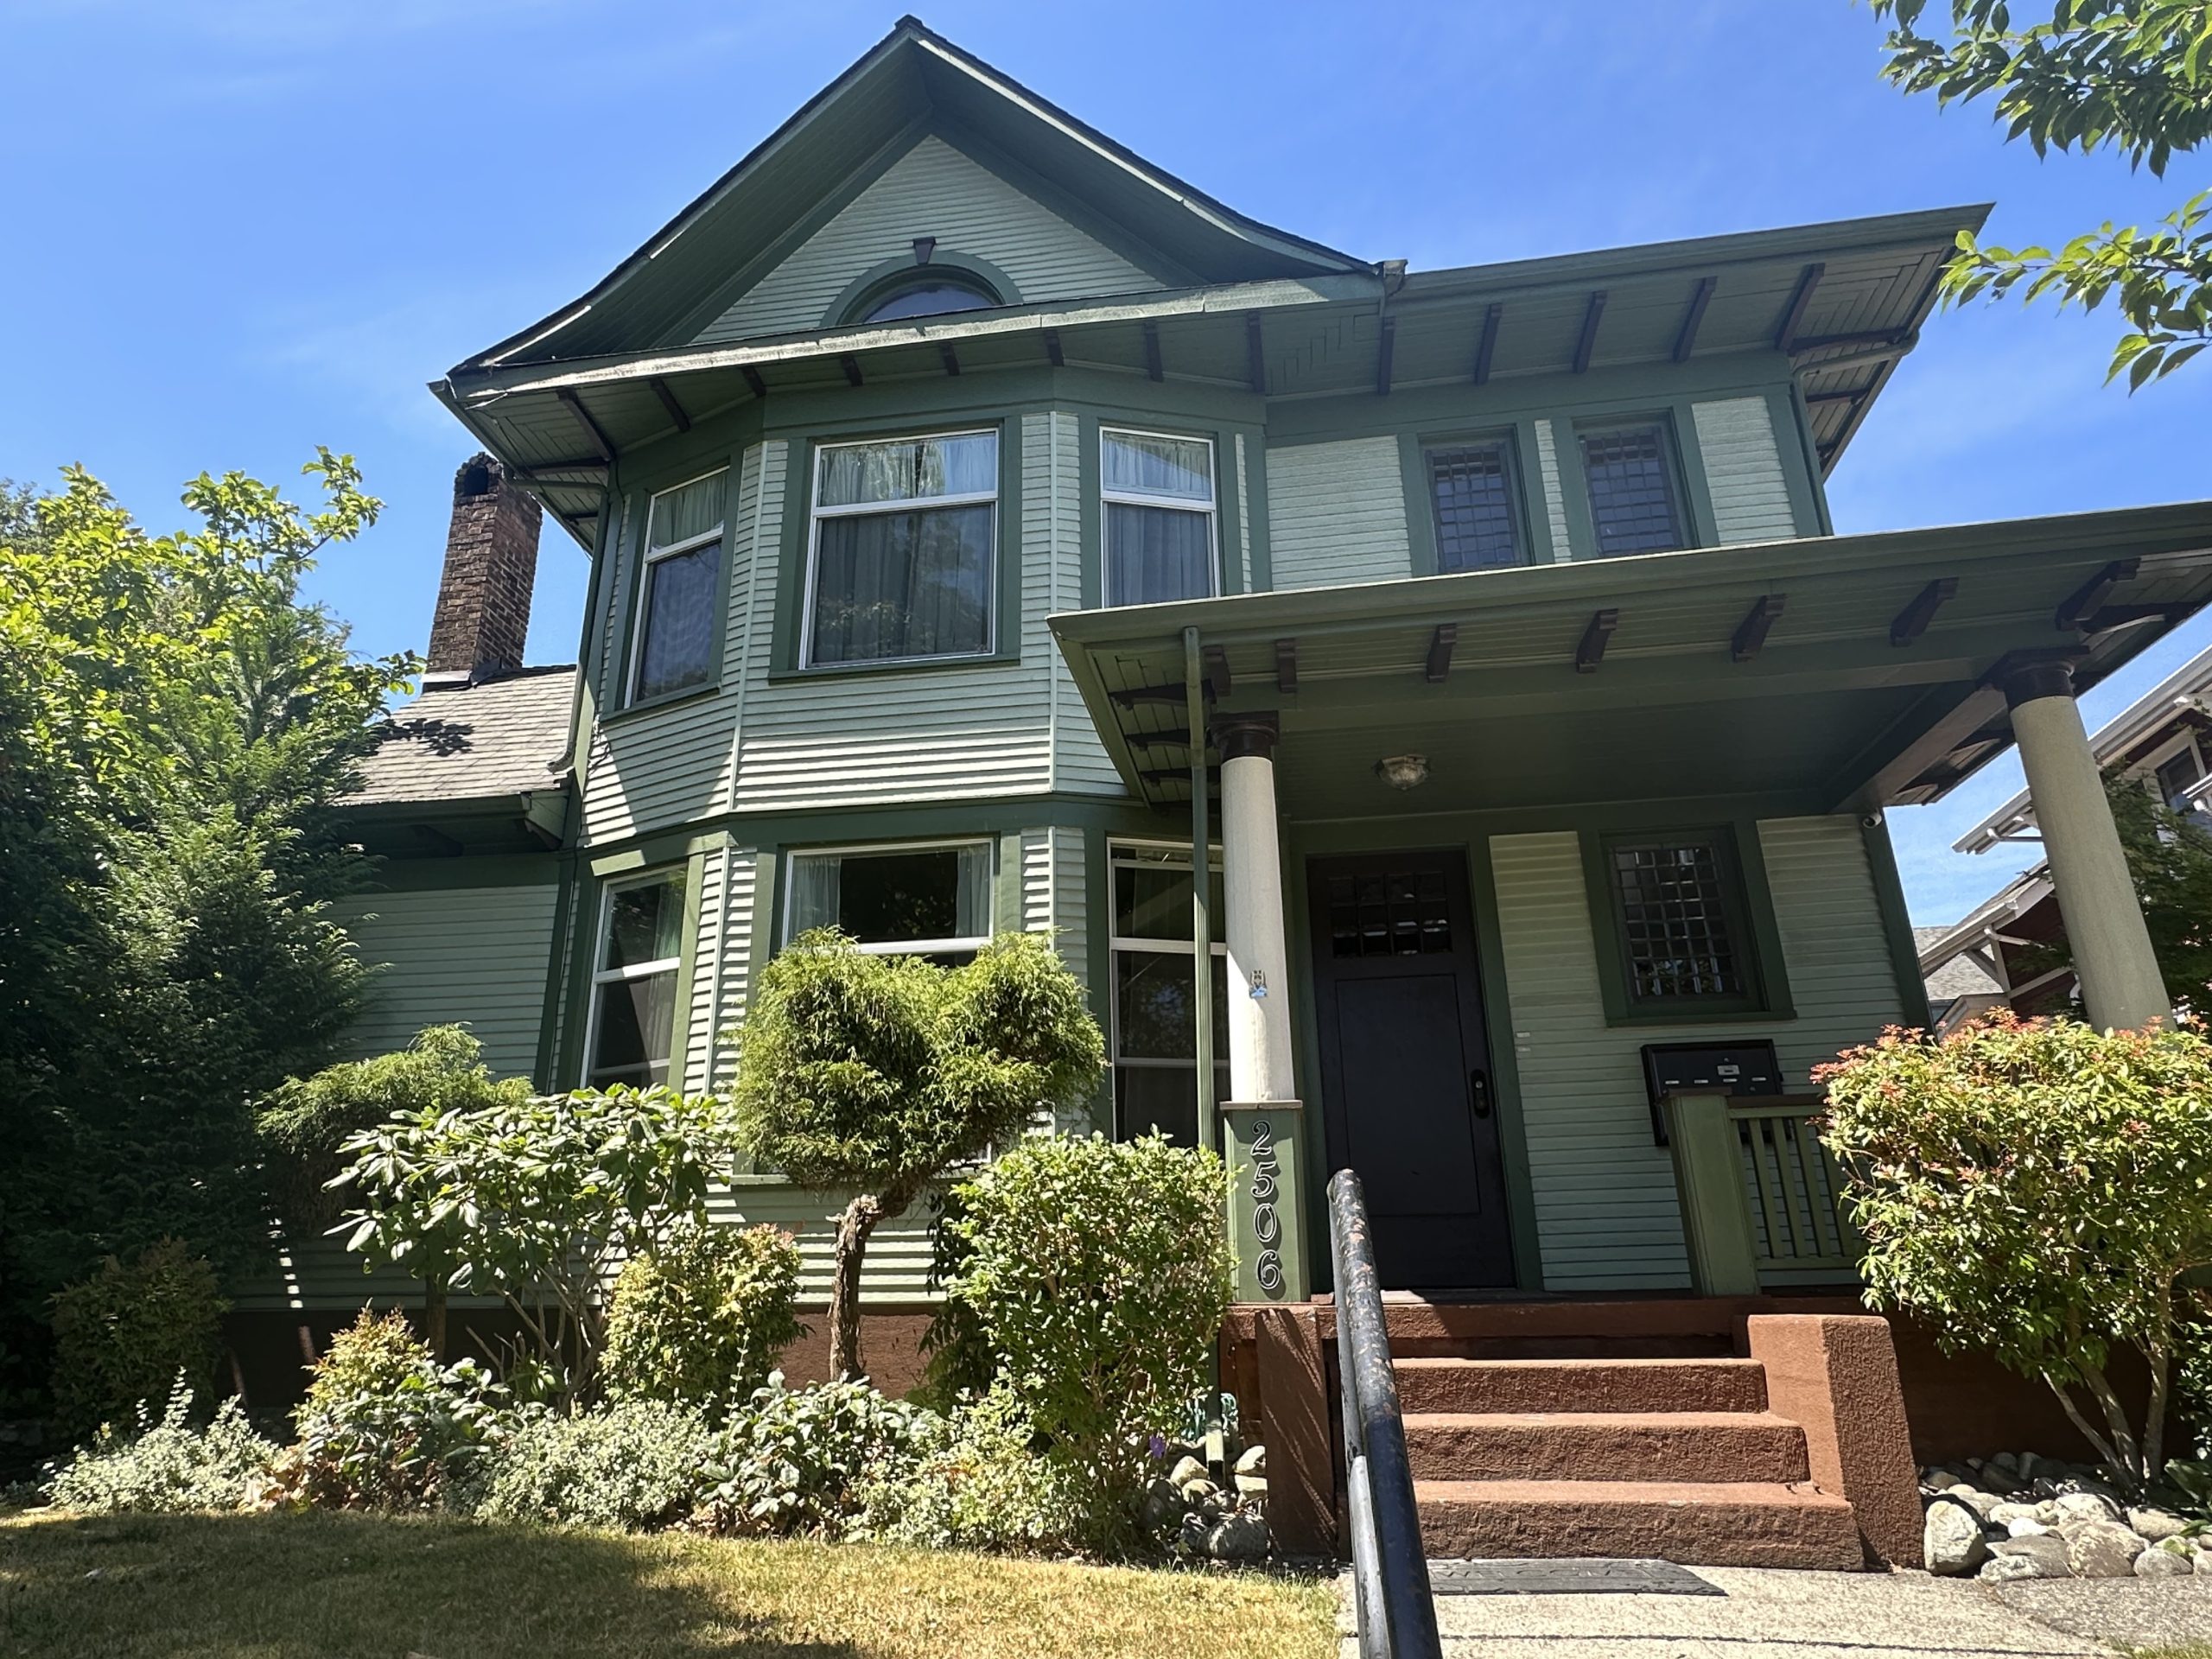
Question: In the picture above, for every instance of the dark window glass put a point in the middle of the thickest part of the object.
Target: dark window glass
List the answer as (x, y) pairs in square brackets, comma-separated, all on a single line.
[(1150, 1099), (2177, 776), (892, 896), (1152, 902), (1471, 486), (636, 1020), (1158, 554), (677, 648), (644, 924), (1397, 915), (1631, 490), (1675, 923), (903, 584), (634, 991), (928, 297)]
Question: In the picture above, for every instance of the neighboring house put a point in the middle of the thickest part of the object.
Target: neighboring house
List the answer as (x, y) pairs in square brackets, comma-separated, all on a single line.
[(980, 518), (2002, 948)]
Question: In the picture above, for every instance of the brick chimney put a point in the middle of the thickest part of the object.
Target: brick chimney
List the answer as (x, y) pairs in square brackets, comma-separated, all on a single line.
[(483, 615)]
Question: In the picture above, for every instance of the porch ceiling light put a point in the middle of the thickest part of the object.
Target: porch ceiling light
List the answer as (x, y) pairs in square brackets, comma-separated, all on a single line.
[(1403, 771)]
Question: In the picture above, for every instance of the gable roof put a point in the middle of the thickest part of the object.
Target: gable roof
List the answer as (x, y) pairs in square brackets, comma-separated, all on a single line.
[(911, 83)]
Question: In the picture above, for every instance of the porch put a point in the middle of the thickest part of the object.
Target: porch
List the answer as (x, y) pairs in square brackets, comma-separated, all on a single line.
[(1546, 887)]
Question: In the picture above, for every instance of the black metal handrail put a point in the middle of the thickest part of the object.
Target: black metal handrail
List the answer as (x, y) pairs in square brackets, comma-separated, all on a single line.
[(1391, 1598)]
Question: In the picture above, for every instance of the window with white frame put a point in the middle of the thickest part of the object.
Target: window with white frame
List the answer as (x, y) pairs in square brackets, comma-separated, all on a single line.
[(901, 563), (633, 1023), (916, 899), (2175, 777), (1155, 1037), (1158, 496), (680, 587)]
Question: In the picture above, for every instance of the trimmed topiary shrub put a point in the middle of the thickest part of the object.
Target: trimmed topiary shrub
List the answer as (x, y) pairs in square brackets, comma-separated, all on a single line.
[(1090, 1277), (799, 1460), (2038, 1190), (385, 1427), (125, 1335), (169, 1467), (700, 1321), (635, 1464)]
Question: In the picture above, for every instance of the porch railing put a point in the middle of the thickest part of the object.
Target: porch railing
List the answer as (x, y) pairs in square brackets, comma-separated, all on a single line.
[(1760, 1195), (1391, 1600)]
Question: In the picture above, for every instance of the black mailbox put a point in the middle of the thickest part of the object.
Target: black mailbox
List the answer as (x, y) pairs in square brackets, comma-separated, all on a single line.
[(1744, 1068)]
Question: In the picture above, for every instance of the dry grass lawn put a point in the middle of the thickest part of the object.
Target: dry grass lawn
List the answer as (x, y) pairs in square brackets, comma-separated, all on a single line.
[(335, 1587)]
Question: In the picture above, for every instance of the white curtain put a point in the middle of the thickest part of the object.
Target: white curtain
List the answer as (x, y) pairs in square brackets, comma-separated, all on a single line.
[(1142, 464), (814, 893), (918, 469), (692, 511)]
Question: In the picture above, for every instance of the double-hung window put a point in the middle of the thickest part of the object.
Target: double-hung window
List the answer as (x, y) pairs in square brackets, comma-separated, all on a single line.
[(2176, 778), (1155, 1037), (1158, 494), (1471, 488), (1634, 503), (902, 565), (678, 610), (917, 899), (632, 1024)]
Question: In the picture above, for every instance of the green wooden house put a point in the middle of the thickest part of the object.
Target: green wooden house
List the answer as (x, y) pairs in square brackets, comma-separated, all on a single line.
[(987, 526)]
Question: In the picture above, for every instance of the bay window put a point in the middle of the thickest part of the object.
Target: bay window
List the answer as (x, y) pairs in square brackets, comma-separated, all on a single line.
[(678, 605), (1158, 496), (932, 899), (632, 1027), (1155, 1036)]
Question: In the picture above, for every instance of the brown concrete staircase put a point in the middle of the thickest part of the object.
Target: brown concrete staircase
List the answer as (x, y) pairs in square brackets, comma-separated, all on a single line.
[(1595, 1430)]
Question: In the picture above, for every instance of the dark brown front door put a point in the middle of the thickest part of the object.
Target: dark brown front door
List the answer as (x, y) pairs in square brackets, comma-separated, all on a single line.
[(1405, 1065)]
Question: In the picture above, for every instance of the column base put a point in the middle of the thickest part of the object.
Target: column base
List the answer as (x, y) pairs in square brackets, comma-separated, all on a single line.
[(1267, 1230)]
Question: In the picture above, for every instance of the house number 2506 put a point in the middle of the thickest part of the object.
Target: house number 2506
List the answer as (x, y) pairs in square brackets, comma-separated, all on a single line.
[(1267, 1226)]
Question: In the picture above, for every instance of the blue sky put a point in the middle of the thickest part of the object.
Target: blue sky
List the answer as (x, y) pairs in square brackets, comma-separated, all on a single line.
[(241, 227)]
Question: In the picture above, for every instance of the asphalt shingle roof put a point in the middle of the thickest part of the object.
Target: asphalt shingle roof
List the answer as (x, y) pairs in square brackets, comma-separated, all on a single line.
[(1961, 977), (471, 742)]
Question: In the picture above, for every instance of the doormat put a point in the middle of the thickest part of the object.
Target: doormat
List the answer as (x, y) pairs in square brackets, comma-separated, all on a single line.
[(1591, 1576)]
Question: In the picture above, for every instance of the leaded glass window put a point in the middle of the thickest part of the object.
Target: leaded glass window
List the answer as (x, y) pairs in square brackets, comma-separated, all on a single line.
[(1675, 900), (1632, 495), (1470, 486)]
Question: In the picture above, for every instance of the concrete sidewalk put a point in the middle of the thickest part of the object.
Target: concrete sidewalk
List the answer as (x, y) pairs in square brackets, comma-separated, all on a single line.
[(1770, 1613)]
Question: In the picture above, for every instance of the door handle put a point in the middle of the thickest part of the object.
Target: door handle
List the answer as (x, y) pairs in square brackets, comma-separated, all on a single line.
[(1478, 1089)]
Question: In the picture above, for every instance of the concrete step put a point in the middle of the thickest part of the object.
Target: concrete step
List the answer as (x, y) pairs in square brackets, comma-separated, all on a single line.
[(1733, 1523), (1607, 1445), (1581, 1385)]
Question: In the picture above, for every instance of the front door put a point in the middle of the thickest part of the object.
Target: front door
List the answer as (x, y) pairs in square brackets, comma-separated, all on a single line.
[(1405, 1077)]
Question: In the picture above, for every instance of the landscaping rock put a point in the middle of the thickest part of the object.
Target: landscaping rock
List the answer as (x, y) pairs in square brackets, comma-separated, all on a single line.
[(1241, 1537), (2005, 1514), (2159, 1562), (1193, 1538), (2156, 1525), (1163, 1504), (2045, 1558), (1984, 1504), (1186, 1470), (2003, 1569), (2027, 1526), (2086, 1506), (1942, 1480), (2204, 1563), (1196, 1493), (2101, 1549), (2004, 1467), (1951, 1540), (1251, 1473)]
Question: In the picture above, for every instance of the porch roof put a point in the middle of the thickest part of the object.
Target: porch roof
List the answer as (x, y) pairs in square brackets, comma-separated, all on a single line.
[(1820, 674)]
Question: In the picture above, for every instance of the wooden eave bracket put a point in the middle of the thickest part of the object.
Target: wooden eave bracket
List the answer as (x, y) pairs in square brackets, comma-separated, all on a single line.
[(676, 413), (1439, 666), (1785, 336), (1587, 341), (600, 440), (1912, 621), (1130, 696), (1686, 340), (1286, 666), (1591, 651), (1154, 369), (1216, 672), (1751, 631), (2084, 601)]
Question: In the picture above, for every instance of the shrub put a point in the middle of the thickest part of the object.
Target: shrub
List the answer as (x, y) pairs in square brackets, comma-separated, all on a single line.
[(124, 1335), (873, 1075), (2038, 1190), (1096, 1274), (168, 1467), (701, 1319), (978, 1482), (385, 1427), (798, 1460), (635, 1464)]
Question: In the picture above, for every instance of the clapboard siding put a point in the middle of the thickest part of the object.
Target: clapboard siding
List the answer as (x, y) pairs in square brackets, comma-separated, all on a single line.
[(944, 734), (932, 190), (1053, 458), (1742, 470), (476, 955), (1605, 1211), (1554, 492), (1070, 896), (897, 1267), (1336, 513)]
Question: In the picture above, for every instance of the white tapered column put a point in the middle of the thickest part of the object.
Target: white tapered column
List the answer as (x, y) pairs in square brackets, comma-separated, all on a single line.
[(2120, 982), (1251, 867)]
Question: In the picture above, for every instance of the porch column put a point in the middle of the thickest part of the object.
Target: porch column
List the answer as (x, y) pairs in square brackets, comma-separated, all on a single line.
[(2120, 982), (1251, 868), (1261, 1118)]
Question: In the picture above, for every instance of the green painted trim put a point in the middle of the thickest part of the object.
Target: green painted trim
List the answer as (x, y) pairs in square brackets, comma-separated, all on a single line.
[(1098, 960), (1090, 483), (1263, 562), (669, 472), (1897, 921), (1421, 504), (1536, 509), (1738, 841), (662, 848), (1505, 1067), (1704, 522), (467, 870), (1716, 1212), (543, 1070), (1519, 440), (679, 1024), (681, 697), (694, 863), (886, 273), (1806, 506), (796, 524)]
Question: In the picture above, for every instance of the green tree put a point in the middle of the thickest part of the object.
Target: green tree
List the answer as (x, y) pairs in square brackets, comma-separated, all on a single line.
[(175, 719), (305, 1124), (2036, 1191), (875, 1075), (2132, 76), (534, 1200)]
